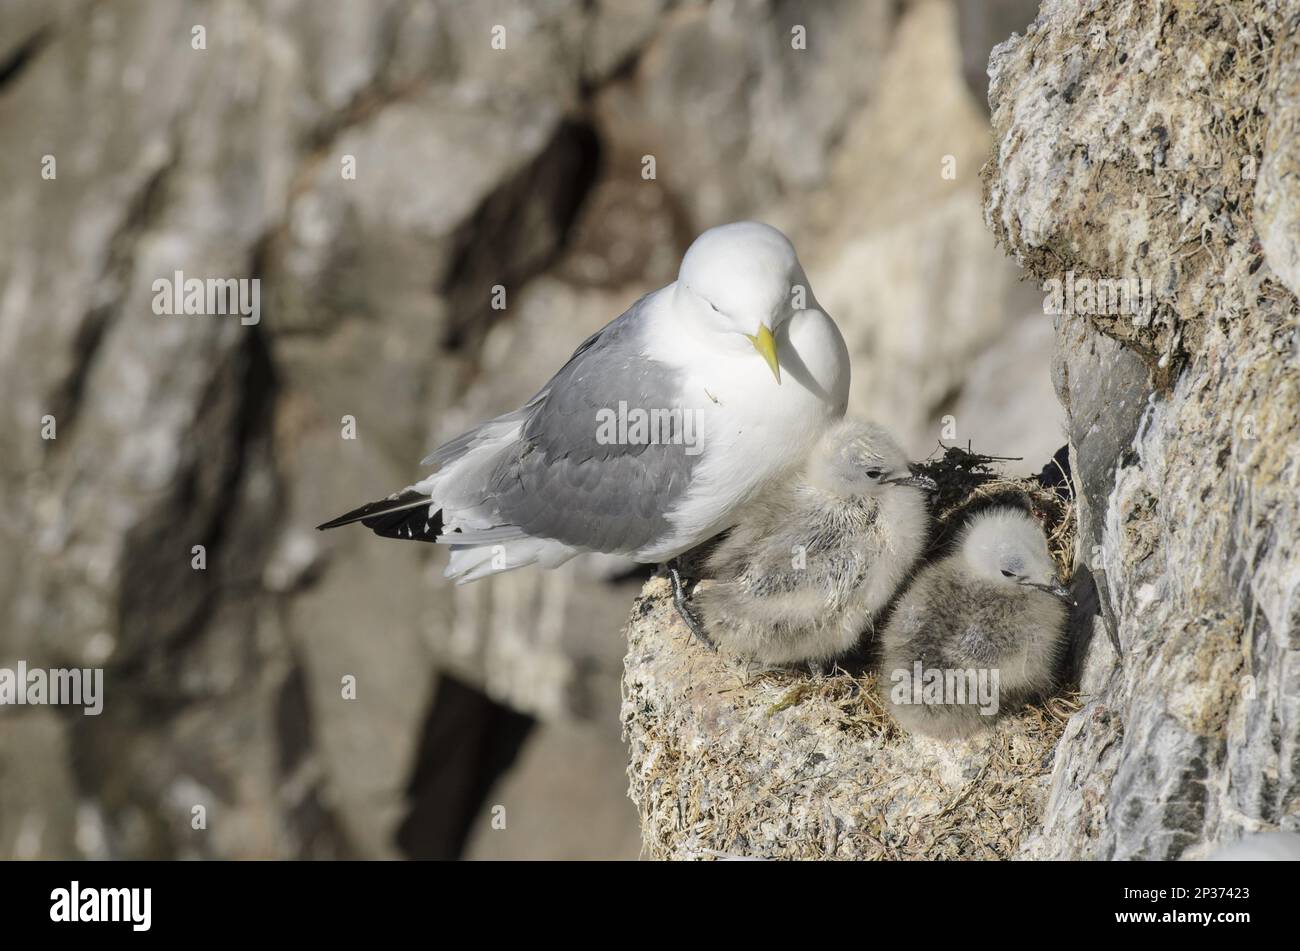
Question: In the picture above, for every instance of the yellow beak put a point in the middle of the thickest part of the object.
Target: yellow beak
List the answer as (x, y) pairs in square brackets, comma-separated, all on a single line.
[(765, 344)]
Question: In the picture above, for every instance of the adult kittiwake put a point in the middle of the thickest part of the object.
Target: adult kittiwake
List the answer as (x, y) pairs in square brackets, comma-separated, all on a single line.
[(654, 434)]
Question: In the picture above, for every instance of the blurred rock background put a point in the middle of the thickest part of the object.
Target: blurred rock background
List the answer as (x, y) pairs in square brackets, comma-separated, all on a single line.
[(859, 127)]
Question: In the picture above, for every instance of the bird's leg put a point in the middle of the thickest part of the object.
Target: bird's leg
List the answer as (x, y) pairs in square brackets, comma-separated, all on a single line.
[(682, 603)]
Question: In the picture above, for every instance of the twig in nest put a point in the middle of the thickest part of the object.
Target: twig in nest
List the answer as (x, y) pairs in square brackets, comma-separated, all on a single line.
[(958, 472)]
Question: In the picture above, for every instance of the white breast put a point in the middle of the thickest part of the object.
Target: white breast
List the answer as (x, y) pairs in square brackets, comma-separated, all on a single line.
[(754, 431)]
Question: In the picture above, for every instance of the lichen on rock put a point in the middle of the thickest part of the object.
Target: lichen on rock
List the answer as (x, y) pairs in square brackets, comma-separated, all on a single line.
[(1128, 142)]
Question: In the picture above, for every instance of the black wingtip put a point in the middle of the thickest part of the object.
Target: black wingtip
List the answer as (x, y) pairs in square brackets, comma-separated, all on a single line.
[(373, 510), (336, 522)]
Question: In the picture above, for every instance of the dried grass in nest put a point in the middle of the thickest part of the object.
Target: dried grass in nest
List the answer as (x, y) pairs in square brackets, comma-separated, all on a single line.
[(719, 800)]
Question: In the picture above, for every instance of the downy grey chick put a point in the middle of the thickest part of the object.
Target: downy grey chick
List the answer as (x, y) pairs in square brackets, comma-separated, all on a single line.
[(976, 631), (811, 562)]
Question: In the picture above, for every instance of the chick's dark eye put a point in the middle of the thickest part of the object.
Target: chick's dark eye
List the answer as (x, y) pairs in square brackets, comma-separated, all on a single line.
[(874, 473), (1008, 574)]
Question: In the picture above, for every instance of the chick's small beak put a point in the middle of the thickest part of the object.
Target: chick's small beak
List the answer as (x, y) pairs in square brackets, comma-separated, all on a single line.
[(916, 481), (765, 344), (1055, 590)]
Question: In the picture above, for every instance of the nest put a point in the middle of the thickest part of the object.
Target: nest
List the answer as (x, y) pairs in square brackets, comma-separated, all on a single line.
[(780, 764)]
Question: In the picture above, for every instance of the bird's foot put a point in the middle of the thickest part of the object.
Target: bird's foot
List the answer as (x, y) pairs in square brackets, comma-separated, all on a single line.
[(681, 601)]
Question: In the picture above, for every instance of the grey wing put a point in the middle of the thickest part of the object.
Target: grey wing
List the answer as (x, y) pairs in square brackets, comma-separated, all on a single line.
[(453, 449), (561, 481)]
